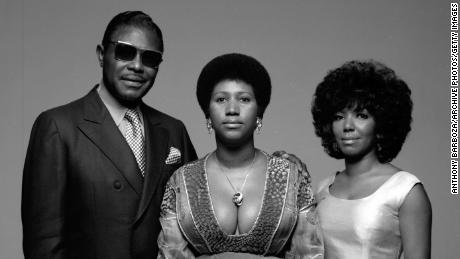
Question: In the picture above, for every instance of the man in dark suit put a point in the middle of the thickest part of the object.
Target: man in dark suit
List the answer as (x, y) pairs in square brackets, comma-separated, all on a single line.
[(95, 168)]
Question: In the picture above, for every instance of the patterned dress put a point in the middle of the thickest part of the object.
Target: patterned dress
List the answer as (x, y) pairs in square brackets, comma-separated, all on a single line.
[(287, 224)]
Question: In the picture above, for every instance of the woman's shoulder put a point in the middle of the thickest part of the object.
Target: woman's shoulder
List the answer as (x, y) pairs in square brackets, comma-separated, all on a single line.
[(195, 163), (406, 176), (396, 187), (282, 167), (277, 161), (401, 182), (188, 168), (396, 178)]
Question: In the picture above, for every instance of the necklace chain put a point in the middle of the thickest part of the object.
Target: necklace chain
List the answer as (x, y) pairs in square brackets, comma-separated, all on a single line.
[(238, 196)]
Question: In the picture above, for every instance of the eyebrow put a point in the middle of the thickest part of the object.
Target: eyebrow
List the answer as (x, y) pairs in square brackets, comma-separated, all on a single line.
[(241, 92)]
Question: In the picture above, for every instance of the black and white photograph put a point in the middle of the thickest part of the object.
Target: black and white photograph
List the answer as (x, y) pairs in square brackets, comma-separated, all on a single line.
[(229, 129)]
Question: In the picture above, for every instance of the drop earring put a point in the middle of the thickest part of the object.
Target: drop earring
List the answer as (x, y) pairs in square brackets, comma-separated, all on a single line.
[(209, 126), (259, 125), (378, 144), (379, 148), (335, 148)]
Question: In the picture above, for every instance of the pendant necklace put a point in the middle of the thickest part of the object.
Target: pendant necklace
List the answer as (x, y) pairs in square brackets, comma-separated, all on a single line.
[(237, 198)]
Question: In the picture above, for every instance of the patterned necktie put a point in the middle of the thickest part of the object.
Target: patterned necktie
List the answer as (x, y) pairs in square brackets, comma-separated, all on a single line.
[(135, 138)]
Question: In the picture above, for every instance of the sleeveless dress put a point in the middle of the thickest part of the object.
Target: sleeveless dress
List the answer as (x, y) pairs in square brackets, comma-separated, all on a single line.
[(286, 226), (366, 227)]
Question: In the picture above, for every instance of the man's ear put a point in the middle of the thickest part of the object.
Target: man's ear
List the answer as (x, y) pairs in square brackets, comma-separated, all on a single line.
[(100, 54)]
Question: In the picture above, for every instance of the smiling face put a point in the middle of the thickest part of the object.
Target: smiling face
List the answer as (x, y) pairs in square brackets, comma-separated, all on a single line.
[(233, 112), (354, 132), (129, 81)]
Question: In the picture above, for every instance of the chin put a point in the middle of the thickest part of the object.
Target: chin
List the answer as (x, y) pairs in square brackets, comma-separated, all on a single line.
[(235, 141), (129, 100), (133, 97), (134, 94), (350, 152), (138, 90), (355, 156)]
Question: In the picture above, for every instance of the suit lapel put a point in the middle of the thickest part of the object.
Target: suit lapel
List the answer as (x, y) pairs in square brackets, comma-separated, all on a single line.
[(100, 128), (156, 139)]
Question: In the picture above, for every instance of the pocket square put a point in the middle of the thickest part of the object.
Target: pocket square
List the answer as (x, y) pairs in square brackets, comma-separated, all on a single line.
[(174, 156)]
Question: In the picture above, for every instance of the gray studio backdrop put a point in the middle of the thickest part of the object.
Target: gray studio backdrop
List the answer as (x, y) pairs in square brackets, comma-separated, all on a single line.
[(48, 51)]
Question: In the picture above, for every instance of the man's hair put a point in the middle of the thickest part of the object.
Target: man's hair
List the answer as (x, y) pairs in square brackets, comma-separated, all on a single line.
[(131, 18), (366, 85), (238, 67)]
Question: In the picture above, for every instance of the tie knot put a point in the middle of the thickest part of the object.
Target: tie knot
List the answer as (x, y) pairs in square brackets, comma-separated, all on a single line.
[(132, 115)]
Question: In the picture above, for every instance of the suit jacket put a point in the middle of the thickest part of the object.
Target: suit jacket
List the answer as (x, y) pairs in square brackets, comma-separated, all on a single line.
[(83, 195)]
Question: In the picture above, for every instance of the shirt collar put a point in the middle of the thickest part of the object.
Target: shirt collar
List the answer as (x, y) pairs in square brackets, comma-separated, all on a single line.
[(116, 110)]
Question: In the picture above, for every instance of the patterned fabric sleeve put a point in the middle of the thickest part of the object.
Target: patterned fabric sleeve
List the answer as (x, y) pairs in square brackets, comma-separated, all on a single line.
[(168, 206), (171, 241), (307, 238), (305, 195)]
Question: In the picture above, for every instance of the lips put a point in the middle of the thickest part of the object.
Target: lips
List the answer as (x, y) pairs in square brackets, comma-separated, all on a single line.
[(133, 78), (232, 124), (349, 140)]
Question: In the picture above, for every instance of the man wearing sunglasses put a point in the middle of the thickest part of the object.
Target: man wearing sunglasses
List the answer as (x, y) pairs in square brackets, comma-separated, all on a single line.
[(95, 168)]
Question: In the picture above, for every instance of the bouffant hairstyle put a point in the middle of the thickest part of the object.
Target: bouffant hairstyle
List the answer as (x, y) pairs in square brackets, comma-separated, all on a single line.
[(364, 85), (234, 66), (131, 18)]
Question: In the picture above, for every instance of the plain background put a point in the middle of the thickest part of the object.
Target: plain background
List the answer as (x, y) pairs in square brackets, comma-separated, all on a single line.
[(48, 58)]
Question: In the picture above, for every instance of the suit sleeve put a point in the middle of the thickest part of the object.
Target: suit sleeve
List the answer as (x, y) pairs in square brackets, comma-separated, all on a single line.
[(43, 191), (189, 153)]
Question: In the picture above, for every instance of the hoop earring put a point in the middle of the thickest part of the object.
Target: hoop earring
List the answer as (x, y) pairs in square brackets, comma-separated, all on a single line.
[(209, 126), (259, 125)]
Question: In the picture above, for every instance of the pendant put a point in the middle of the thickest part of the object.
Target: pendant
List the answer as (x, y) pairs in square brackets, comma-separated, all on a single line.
[(238, 199)]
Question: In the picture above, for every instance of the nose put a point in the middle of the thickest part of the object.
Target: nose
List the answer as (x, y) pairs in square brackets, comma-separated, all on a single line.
[(232, 108), (136, 63), (349, 124)]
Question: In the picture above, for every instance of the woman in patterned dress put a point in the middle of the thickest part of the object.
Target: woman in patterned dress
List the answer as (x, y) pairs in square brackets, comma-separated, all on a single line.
[(238, 201)]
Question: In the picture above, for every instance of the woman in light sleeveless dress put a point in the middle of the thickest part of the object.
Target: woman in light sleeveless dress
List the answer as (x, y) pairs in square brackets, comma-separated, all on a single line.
[(370, 209)]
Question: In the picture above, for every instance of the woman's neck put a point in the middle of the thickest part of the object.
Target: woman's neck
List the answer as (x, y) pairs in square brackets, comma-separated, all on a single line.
[(235, 157), (358, 167)]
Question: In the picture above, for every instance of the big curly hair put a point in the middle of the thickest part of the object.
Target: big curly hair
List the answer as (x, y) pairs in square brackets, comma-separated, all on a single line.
[(367, 85), (234, 66)]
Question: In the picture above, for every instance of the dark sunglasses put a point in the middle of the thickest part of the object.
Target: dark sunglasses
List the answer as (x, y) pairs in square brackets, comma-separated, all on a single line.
[(127, 52)]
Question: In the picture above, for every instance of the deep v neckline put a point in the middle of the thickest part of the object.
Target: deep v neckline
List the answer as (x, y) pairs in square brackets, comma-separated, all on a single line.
[(258, 238), (211, 208)]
